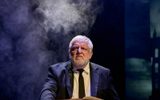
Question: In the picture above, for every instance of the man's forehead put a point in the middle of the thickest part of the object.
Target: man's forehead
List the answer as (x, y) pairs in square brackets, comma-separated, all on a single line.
[(80, 43)]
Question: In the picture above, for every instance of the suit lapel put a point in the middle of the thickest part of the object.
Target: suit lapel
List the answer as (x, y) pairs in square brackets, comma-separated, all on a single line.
[(94, 79), (69, 80)]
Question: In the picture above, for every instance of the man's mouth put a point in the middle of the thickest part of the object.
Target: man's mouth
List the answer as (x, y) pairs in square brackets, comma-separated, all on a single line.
[(77, 57)]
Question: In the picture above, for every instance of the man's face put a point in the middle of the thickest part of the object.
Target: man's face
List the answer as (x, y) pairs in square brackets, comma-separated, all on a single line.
[(80, 54)]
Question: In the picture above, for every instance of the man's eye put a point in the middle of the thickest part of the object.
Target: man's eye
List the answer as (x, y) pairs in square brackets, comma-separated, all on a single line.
[(84, 48), (73, 49)]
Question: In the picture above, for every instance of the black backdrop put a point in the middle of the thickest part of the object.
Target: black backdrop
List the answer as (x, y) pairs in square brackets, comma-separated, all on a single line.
[(107, 35)]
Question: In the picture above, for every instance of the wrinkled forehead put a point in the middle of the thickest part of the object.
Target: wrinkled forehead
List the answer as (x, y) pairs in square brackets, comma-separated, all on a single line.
[(80, 43), (81, 39)]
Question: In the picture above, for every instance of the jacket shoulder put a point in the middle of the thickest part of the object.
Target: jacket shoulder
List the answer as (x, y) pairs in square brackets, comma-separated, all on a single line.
[(59, 66), (99, 67)]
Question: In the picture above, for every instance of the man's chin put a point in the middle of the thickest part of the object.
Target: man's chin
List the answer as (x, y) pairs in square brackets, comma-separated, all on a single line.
[(80, 64), (79, 58)]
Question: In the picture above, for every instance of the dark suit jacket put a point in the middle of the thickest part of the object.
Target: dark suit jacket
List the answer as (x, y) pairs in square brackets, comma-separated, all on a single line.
[(59, 82)]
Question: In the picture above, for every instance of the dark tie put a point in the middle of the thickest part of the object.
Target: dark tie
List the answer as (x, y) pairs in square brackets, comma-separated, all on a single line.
[(81, 84)]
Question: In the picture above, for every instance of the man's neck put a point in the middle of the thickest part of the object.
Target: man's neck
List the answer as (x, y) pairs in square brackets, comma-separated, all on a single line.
[(81, 67)]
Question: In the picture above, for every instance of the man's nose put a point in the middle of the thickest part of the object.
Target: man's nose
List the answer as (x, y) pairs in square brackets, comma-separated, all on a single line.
[(79, 50)]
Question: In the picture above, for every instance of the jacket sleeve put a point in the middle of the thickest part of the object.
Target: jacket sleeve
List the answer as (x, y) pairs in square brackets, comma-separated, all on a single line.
[(111, 92), (50, 87), (106, 88)]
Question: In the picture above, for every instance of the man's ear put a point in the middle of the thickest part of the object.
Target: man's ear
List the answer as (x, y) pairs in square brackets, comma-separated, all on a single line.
[(69, 53), (91, 54)]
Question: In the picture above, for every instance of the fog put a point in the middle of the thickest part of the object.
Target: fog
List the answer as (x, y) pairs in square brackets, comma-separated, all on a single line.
[(35, 34)]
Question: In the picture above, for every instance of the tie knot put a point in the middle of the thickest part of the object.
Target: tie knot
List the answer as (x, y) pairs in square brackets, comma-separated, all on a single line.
[(80, 70)]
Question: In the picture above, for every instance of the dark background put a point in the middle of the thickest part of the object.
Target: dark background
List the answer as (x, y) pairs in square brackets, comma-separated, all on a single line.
[(108, 39)]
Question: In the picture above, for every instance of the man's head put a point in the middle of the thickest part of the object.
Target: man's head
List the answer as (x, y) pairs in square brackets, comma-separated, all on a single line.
[(80, 51)]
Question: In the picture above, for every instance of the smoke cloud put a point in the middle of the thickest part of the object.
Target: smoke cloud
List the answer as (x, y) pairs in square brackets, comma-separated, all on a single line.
[(67, 16), (35, 34)]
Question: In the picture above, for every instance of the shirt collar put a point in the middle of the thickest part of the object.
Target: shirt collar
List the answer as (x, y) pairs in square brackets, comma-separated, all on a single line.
[(86, 69)]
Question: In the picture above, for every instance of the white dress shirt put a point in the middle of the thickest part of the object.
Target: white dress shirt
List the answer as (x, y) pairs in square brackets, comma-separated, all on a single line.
[(86, 77)]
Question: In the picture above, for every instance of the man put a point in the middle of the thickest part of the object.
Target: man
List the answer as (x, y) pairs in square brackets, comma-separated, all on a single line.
[(78, 78)]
